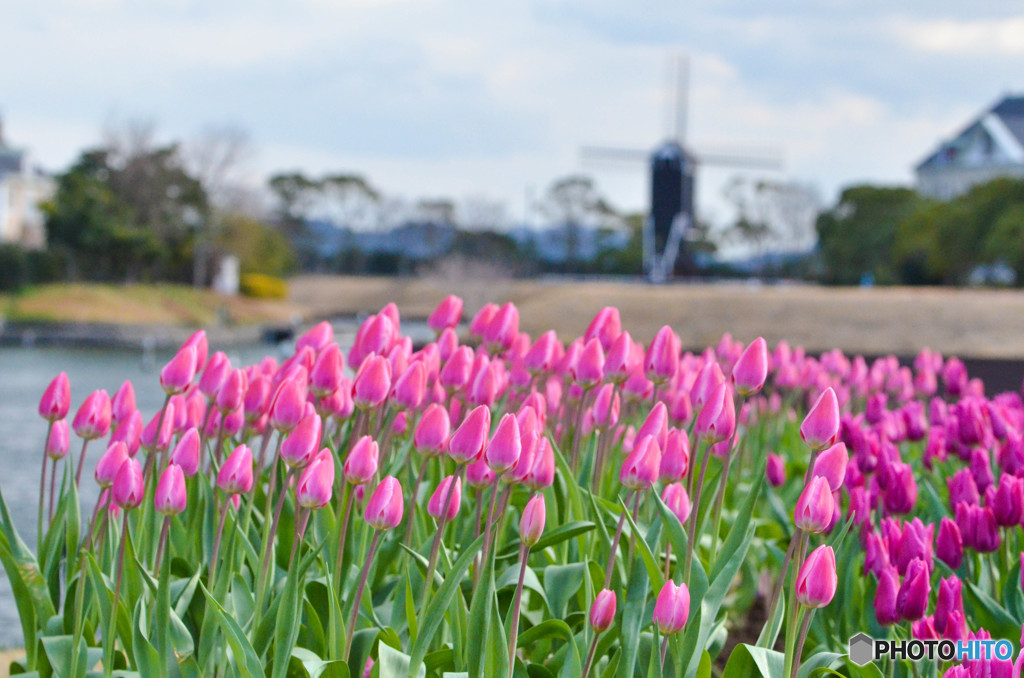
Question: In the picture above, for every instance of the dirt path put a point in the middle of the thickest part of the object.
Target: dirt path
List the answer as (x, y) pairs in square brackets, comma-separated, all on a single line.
[(978, 323)]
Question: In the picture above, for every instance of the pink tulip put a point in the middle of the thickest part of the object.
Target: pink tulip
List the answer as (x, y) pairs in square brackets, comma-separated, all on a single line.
[(109, 464), (912, 597), (675, 457), (386, 505), (815, 506), (288, 405), (542, 470), (58, 442), (821, 425), (717, 419), (447, 314), (479, 475), (468, 442), (235, 475), (949, 546), (619, 363), (93, 417), (602, 611), (708, 379), (446, 344), (122, 404), (214, 374), (301, 445), (678, 501), (127, 489), (831, 465), (199, 342), (316, 337), (316, 484), (151, 438), (588, 370), (503, 327), (656, 424), (327, 372), (439, 499), (186, 453), (672, 608), (662, 359), (540, 357), (885, 597), (410, 389), (775, 470), (751, 369), (361, 463), (640, 469), (177, 374), (372, 383), (606, 408), (231, 395), (56, 400), (170, 496), (816, 582), (531, 525), (505, 446), (482, 319), (431, 436)]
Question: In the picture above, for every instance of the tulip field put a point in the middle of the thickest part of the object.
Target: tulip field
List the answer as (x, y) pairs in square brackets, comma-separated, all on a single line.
[(496, 504)]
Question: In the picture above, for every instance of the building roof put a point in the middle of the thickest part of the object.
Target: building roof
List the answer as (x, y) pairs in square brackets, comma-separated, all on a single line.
[(1002, 128)]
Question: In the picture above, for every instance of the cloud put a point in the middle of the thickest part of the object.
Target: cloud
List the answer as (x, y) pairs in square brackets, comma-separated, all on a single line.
[(981, 37)]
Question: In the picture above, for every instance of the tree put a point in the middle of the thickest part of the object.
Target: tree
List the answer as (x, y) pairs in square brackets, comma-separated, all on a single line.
[(574, 203), (857, 236)]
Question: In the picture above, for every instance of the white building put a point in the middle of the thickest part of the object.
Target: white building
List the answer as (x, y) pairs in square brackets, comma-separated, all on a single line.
[(22, 188), (991, 146)]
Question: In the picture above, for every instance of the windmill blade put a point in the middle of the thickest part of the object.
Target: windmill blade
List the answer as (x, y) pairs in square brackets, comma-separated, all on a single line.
[(682, 97), (752, 157), (607, 154)]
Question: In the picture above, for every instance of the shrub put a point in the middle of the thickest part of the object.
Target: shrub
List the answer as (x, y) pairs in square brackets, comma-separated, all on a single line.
[(260, 286)]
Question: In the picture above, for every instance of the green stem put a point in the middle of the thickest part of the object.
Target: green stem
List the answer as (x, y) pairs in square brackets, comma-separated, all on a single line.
[(108, 637), (359, 595), (42, 488), (524, 555)]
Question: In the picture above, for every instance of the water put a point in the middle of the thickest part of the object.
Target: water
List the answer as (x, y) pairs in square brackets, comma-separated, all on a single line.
[(24, 375)]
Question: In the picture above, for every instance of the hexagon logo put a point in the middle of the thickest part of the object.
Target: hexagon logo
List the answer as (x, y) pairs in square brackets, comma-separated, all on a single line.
[(862, 649)]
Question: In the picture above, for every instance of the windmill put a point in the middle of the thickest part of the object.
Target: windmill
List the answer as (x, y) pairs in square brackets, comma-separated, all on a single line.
[(673, 170)]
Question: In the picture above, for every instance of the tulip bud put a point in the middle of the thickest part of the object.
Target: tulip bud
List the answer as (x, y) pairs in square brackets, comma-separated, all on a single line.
[(901, 493), (59, 440), (619, 364), (708, 379), (151, 438), (588, 370), (231, 395), (1008, 501), (385, 507), (56, 400), (502, 327), (122, 404), (949, 600), (505, 446), (821, 425), (447, 314), (235, 475), (288, 405), (751, 369), (675, 458), (186, 453), (831, 465), (606, 408), (912, 598), (816, 582), (316, 484), (815, 506), (110, 463), (656, 424), (361, 463), (327, 372), (479, 475), (199, 342), (93, 417), (678, 501), (542, 470), (177, 374), (949, 547), (316, 337), (602, 612), (775, 470), (482, 319), (410, 389), (468, 442), (440, 499), (129, 433), (662, 359), (531, 525), (214, 374), (885, 597), (672, 608), (641, 466), (301, 445), (372, 383), (127, 488), (170, 496), (717, 419)]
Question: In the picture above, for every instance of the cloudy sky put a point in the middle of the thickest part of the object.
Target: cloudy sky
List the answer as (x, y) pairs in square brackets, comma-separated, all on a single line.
[(494, 99)]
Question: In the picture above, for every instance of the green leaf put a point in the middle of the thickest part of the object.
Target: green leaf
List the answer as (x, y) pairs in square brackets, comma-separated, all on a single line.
[(58, 651), (747, 660), (315, 667), (819, 661), (146, 658), (556, 536), (634, 617), (392, 663), (561, 582), (434, 614), (246, 660)]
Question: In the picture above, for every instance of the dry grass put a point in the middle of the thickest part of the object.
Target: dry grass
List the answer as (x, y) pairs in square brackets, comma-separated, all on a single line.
[(977, 323), (140, 305)]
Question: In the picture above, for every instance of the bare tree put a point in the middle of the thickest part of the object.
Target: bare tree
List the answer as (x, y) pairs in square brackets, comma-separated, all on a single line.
[(771, 216), (574, 203)]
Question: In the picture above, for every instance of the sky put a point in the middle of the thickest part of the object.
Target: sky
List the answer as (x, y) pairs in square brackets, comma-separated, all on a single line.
[(494, 100)]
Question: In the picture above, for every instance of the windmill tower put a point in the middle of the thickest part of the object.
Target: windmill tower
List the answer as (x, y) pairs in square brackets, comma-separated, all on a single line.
[(673, 172)]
